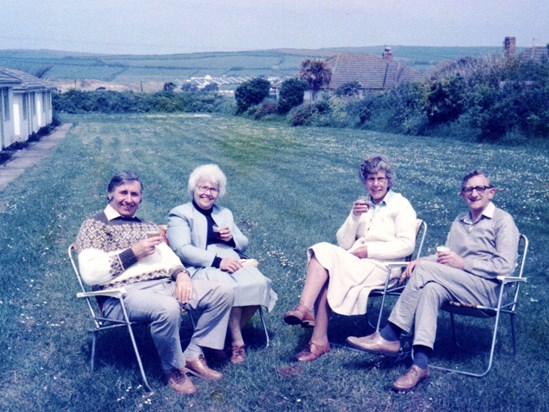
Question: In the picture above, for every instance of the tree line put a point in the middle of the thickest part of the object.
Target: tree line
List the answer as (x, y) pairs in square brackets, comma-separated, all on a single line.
[(488, 98)]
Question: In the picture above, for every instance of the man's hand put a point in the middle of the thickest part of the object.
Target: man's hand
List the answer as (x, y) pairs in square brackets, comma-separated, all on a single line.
[(146, 247), (360, 252), (450, 259), (183, 288), (230, 265)]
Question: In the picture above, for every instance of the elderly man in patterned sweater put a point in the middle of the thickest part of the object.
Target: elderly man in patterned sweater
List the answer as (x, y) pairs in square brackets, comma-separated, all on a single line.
[(115, 251)]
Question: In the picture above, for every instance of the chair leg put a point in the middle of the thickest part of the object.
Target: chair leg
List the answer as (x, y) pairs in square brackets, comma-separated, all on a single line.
[(265, 330), (92, 356), (513, 333), (380, 315), (490, 359), (454, 335), (138, 357)]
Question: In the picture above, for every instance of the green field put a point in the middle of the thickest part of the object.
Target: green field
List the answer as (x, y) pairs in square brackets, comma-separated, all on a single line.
[(288, 188), (279, 63)]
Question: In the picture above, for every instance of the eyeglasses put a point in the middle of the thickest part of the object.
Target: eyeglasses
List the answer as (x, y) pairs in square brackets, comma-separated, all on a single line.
[(480, 189), (204, 189)]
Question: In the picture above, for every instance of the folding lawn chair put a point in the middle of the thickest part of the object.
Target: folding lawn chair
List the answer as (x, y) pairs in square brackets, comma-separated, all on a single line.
[(394, 289), (506, 304), (100, 322)]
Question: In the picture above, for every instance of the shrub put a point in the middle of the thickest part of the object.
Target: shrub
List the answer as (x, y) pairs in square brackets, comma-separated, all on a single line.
[(311, 114), (265, 109), (349, 89), (74, 101), (291, 94), (250, 93)]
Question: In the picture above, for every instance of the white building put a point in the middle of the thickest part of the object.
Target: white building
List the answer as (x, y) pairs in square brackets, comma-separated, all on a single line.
[(26, 105)]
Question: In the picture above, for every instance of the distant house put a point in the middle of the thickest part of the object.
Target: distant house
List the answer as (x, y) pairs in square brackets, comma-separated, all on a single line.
[(30, 104), (536, 53), (372, 72)]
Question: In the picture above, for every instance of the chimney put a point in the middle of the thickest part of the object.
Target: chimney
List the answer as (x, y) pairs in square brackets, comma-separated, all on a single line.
[(387, 55), (509, 46)]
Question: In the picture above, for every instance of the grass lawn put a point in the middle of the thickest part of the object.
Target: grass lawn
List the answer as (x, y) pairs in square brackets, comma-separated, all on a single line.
[(288, 188)]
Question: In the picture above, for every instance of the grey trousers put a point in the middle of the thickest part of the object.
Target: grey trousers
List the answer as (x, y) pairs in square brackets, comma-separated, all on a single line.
[(154, 302), (431, 286)]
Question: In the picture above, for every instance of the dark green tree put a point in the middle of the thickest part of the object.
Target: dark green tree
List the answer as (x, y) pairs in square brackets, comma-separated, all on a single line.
[(169, 87), (291, 94), (250, 93)]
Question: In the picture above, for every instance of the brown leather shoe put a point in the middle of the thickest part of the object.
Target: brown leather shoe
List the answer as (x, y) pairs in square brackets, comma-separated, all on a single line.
[(411, 379), (200, 368), (238, 354), (312, 352), (300, 315), (180, 382), (375, 343)]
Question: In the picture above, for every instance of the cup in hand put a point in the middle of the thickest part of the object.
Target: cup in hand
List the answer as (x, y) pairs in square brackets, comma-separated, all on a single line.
[(216, 230), (152, 233), (442, 249), (362, 205)]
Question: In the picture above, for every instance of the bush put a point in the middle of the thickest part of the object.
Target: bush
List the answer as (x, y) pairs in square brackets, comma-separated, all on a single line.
[(265, 109), (291, 94), (250, 93), (349, 89), (311, 114), (75, 102)]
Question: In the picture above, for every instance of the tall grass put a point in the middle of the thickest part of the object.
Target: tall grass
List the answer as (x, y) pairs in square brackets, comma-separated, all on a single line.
[(288, 189)]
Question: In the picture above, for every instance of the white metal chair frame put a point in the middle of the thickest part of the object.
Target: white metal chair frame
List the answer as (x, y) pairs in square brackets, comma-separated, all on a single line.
[(506, 304), (397, 289), (101, 323)]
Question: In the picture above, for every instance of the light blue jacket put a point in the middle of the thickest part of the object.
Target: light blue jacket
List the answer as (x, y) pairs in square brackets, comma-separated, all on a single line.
[(188, 230)]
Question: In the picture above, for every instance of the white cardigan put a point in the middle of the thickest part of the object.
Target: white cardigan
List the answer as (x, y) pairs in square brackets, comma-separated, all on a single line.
[(389, 234)]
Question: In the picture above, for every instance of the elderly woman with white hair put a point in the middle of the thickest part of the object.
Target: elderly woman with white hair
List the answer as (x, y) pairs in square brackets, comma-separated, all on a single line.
[(210, 244)]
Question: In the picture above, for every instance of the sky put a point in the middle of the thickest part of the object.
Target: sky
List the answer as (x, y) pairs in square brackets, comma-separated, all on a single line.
[(188, 26)]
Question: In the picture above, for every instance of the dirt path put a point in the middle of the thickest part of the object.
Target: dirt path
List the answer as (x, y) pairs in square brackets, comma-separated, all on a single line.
[(26, 158)]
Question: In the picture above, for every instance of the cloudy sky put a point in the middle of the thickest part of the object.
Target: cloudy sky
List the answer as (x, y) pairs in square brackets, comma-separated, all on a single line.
[(183, 26)]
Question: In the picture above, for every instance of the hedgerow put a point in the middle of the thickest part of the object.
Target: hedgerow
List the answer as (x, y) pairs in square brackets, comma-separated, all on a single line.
[(78, 102)]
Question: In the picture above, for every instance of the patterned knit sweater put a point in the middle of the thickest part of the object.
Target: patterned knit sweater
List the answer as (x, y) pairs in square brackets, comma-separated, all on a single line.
[(106, 259)]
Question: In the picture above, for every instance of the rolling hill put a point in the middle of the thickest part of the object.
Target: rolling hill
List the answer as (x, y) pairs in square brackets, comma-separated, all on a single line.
[(69, 69)]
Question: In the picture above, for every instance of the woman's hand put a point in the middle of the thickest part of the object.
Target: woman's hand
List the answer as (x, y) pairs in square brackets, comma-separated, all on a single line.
[(183, 288), (146, 247), (230, 265), (360, 252), (360, 207), (224, 234)]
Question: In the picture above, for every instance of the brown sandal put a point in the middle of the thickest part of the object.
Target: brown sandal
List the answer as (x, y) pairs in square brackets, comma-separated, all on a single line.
[(300, 315)]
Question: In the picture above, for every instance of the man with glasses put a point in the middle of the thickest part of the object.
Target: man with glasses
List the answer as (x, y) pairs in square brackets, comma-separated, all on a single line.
[(481, 245)]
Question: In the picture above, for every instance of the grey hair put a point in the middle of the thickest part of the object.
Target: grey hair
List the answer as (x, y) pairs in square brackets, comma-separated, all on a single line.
[(474, 173), (121, 178), (377, 163), (210, 172)]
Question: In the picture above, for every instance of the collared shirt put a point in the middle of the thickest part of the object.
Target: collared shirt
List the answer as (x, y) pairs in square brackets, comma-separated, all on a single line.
[(376, 207), (112, 214), (488, 212)]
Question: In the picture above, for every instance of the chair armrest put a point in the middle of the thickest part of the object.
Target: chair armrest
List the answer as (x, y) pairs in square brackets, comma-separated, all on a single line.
[(510, 279), (391, 265), (112, 293)]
